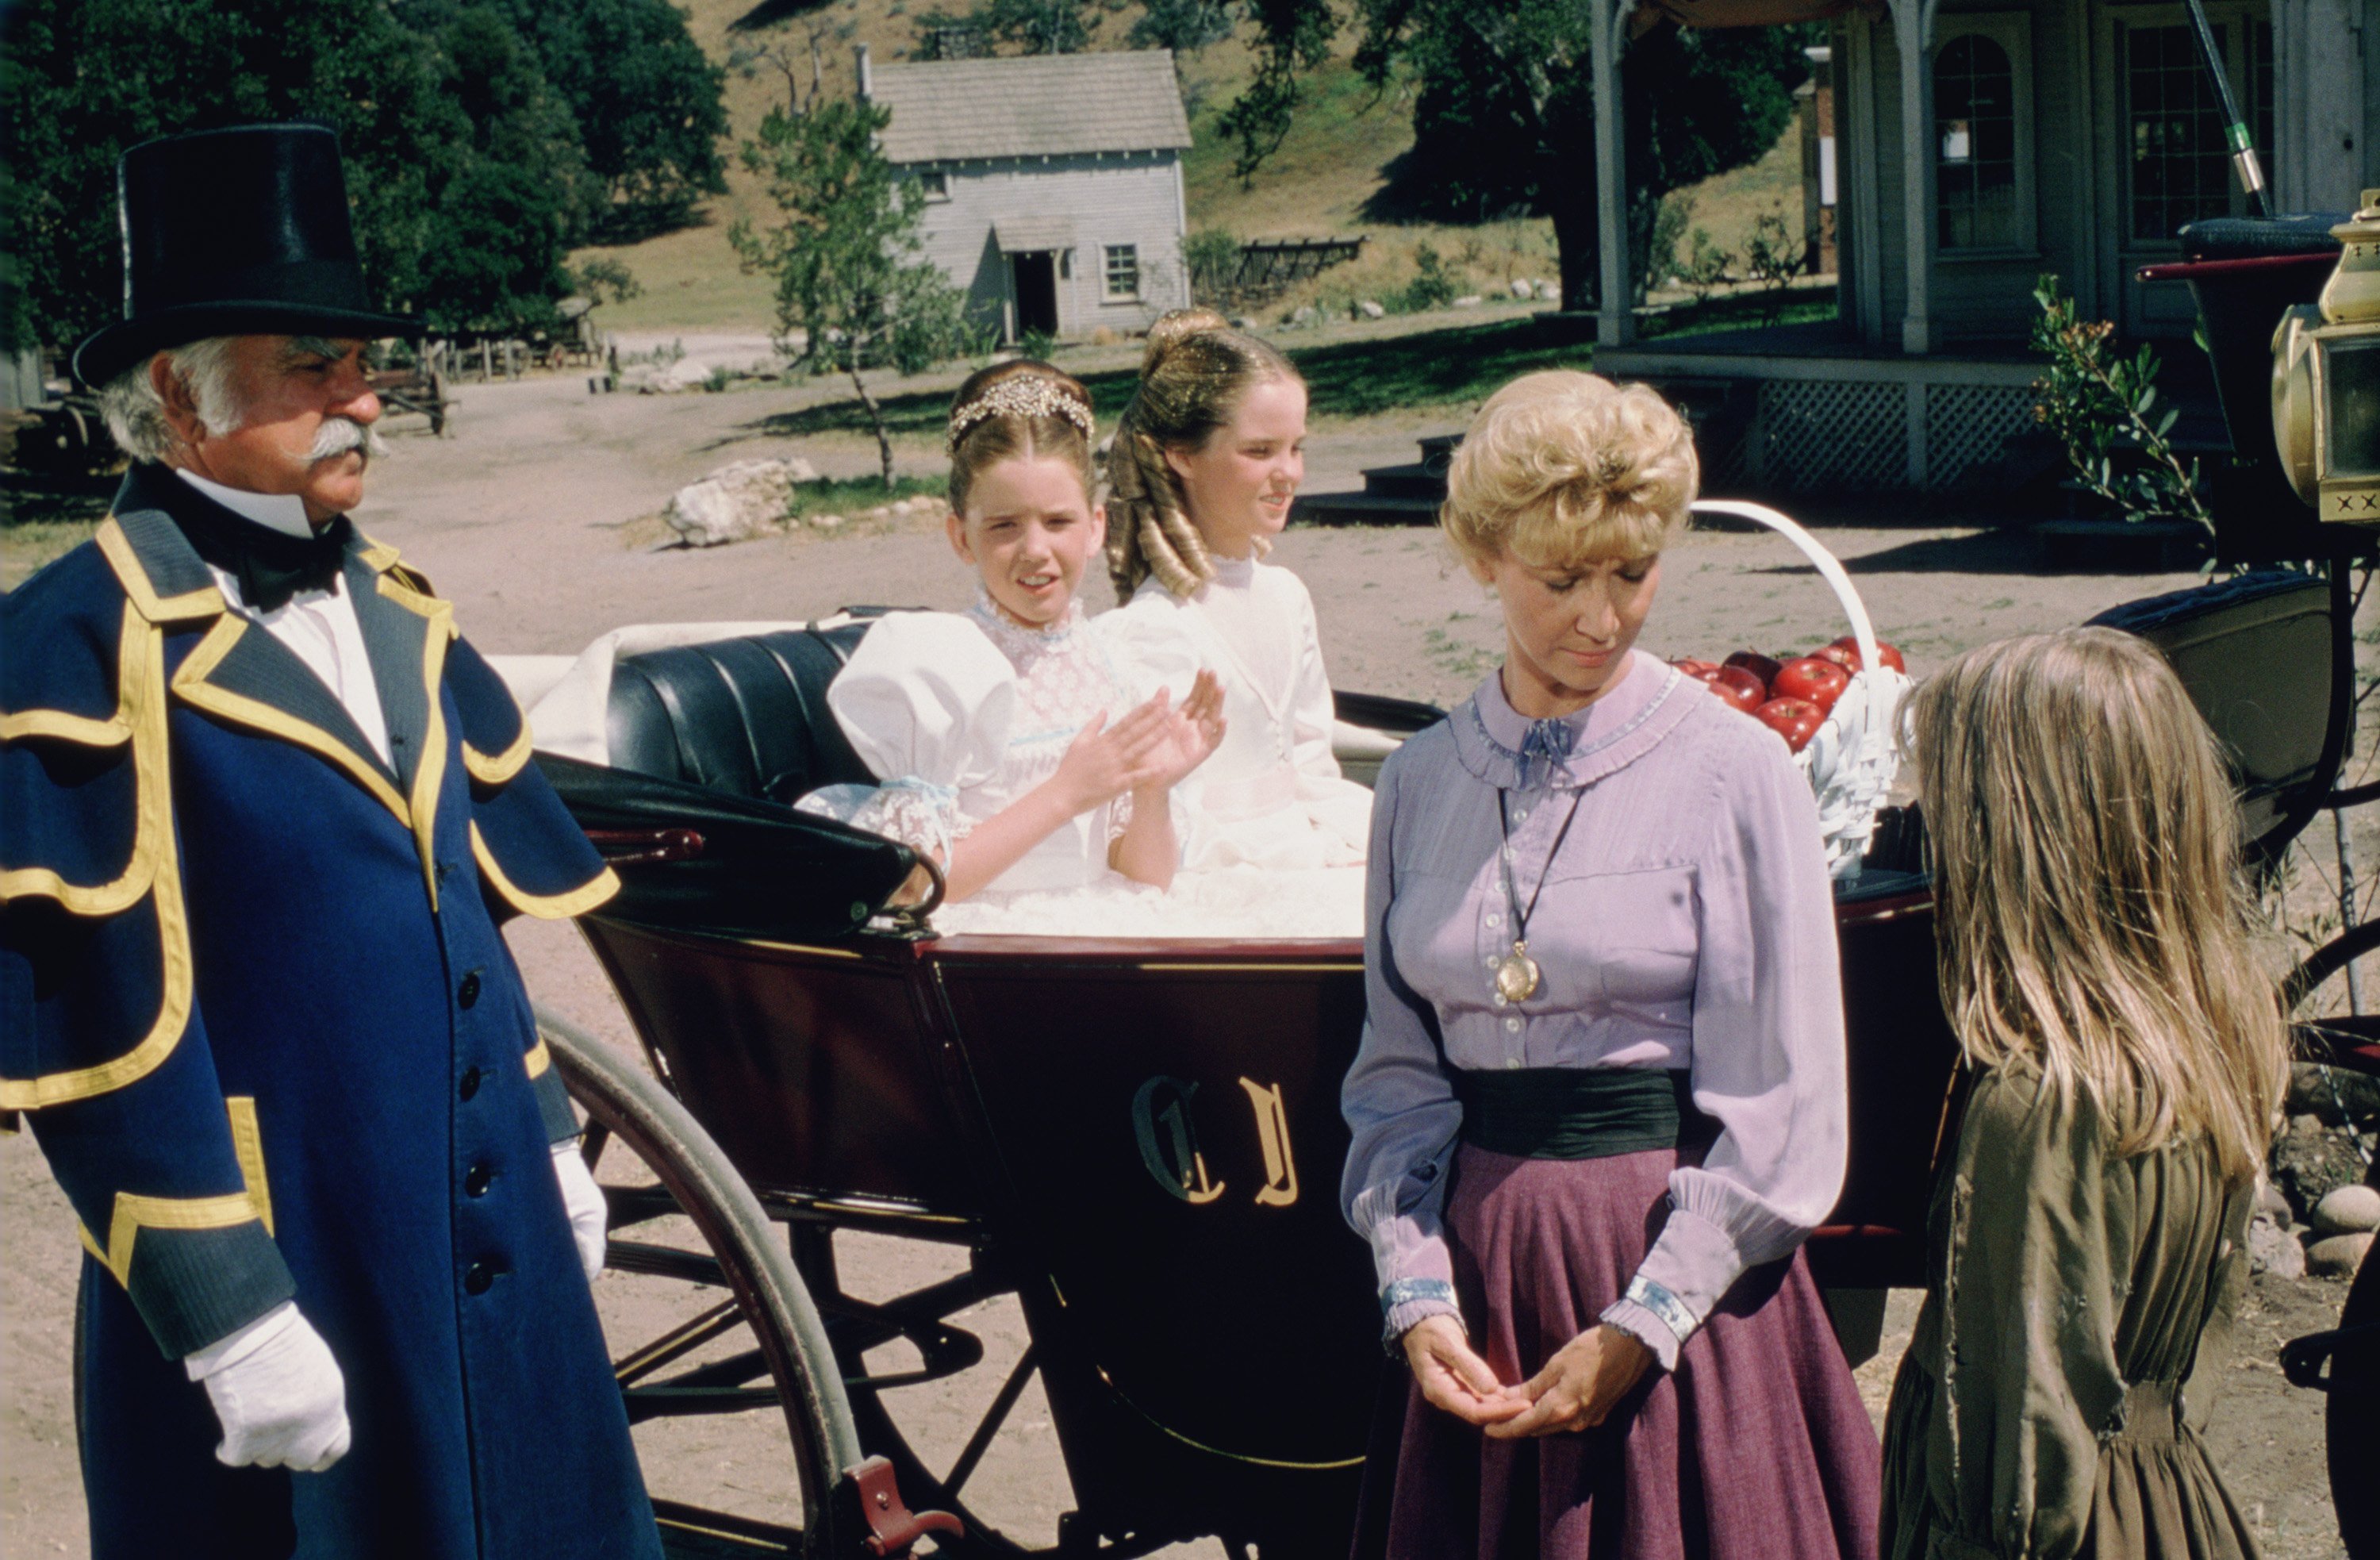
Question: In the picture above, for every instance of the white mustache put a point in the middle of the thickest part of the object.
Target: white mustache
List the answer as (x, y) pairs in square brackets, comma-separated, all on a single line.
[(339, 434)]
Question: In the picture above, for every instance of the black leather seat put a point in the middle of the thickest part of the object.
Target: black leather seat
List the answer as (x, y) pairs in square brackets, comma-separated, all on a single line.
[(746, 716)]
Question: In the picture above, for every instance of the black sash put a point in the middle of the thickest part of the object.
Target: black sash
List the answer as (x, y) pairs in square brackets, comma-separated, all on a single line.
[(1578, 1112)]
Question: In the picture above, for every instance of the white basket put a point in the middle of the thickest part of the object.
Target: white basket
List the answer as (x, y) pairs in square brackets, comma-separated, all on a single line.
[(1852, 761)]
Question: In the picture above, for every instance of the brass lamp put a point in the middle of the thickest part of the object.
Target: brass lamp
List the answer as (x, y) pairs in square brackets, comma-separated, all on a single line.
[(2327, 382)]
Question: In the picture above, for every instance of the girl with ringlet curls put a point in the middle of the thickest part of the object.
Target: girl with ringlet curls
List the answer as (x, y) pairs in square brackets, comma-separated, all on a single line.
[(2126, 1057), (1015, 743), (1599, 1100), (1204, 463)]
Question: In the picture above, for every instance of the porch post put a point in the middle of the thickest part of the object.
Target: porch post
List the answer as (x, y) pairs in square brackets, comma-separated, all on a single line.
[(1615, 297), (1912, 42)]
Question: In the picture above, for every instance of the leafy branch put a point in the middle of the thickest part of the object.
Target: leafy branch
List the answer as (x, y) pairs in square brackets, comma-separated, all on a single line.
[(2095, 401)]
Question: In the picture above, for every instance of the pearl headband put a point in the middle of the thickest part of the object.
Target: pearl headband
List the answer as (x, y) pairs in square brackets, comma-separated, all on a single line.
[(1021, 395)]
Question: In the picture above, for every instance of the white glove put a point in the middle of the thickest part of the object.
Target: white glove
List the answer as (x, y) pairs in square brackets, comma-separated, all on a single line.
[(583, 1201), (277, 1393)]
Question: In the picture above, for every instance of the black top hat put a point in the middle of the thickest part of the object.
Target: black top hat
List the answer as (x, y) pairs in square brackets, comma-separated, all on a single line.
[(237, 232)]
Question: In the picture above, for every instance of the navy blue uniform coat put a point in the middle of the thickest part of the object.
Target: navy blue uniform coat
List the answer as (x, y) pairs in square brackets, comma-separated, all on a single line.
[(255, 1007)]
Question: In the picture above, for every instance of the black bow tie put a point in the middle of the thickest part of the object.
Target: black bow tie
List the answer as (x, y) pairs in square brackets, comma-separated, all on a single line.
[(271, 565)]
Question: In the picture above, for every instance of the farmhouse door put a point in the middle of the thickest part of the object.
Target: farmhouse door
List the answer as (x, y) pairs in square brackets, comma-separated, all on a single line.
[(2164, 162), (1033, 282)]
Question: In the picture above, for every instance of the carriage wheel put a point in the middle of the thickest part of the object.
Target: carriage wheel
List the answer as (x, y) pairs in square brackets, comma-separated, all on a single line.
[(744, 1432)]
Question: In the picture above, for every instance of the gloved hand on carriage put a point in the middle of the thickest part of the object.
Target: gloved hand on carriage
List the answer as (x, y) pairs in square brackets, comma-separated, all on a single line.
[(583, 1201), (277, 1393)]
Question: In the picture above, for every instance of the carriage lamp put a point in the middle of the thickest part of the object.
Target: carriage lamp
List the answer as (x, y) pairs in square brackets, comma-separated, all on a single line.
[(2327, 382)]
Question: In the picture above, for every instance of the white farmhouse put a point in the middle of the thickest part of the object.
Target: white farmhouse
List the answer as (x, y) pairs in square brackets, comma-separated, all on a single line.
[(1053, 183)]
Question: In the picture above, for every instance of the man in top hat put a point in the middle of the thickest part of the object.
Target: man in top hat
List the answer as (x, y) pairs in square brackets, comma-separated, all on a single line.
[(261, 810)]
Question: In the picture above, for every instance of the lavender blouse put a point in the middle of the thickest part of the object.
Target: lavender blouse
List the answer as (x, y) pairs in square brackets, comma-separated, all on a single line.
[(1685, 921)]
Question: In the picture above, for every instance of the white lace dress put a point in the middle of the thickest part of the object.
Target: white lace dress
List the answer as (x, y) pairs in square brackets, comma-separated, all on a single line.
[(1271, 796), (959, 715)]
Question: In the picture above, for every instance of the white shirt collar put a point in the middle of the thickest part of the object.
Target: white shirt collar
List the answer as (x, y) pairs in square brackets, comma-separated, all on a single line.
[(284, 512)]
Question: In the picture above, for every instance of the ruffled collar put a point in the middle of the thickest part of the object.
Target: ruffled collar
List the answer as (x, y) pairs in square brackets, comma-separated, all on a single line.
[(1234, 574), (1019, 643), (1510, 751)]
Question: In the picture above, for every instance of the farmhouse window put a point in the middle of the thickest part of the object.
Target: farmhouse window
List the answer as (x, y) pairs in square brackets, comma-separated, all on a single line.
[(1983, 135), (1124, 270), (935, 183)]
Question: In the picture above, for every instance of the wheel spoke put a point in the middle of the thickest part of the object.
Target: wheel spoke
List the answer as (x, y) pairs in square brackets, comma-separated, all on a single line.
[(681, 1402), (980, 1442), (666, 1262), (678, 1342)]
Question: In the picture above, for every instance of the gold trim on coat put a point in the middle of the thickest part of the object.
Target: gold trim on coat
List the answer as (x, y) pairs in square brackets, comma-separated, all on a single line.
[(134, 1212), (140, 710), (545, 906), (116, 548), (190, 682), (502, 767)]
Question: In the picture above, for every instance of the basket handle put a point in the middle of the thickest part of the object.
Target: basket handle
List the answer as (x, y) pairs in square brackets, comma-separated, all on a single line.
[(1831, 571)]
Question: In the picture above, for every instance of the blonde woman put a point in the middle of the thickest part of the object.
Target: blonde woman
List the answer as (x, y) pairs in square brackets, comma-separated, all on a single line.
[(2128, 1053), (1206, 461), (1599, 1100)]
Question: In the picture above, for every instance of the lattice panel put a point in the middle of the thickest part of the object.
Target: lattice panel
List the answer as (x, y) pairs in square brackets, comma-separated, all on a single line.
[(1836, 435), (1968, 427)]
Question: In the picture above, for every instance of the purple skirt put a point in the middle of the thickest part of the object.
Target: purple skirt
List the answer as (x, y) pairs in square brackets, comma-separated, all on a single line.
[(1756, 1449)]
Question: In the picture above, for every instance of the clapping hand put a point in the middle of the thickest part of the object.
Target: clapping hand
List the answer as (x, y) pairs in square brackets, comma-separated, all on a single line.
[(1148, 748), (1193, 732)]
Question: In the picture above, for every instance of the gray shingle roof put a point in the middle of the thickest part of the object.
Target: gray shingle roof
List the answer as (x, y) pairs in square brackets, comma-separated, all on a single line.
[(1036, 105)]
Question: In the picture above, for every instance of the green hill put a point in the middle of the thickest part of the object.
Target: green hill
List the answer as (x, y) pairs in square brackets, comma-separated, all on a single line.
[(1315, 184)]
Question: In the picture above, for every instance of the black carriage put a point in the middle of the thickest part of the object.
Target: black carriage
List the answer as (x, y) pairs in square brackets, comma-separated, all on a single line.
[(1138, 1139)]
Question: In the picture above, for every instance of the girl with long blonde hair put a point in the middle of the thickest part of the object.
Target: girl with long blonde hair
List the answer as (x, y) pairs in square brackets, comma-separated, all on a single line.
[(2127, 1054), (1206, 461)]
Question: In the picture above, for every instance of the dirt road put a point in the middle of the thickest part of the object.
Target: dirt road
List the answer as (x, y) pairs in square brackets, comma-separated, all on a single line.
[(537, 516)]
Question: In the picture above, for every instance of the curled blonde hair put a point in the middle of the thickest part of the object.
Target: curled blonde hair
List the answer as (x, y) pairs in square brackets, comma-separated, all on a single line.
[(2090, 914), (990, 428), (1193, 376), (1566, 469)]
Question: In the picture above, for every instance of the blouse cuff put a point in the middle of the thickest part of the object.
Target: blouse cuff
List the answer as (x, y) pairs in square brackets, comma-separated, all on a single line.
[(1409, 1301), (1655, 1324), (1682, 1277)]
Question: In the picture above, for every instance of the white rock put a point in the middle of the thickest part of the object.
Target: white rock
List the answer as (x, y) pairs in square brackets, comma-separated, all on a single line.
[(2346, 1211), (2269, 1199), (2338, 1256), (2272, 1248), (737, 502), (1371, 310), (1523, 288), (1469, 301), (881, 512), (1549, 292), (825, 522)]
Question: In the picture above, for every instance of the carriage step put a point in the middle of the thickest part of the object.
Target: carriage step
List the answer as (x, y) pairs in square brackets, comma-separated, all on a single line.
[(892, 1528)]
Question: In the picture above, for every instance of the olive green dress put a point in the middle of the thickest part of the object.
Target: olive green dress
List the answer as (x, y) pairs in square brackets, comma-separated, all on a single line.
[(2039, 1411)]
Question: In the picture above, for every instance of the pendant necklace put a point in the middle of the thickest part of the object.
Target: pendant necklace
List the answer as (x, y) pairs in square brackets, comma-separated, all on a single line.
[(1517, 975)]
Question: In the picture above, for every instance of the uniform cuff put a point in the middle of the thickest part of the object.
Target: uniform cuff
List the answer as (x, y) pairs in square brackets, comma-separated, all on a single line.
[(553, 1106), (198, 1287)]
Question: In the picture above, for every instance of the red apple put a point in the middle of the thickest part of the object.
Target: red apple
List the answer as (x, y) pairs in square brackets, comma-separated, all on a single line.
[(1738, 687), (1845, 653), (1694, 668), (1796, 720), (1757, 663), (1820, 682)]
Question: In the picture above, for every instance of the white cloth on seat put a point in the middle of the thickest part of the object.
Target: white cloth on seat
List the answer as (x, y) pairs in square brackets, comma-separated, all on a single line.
[(572, 711), (1272, 795), (960, 714)]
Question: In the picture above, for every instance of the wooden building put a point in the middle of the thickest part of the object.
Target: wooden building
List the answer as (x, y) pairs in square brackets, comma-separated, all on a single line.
[(1053, 183), (2067, 136)]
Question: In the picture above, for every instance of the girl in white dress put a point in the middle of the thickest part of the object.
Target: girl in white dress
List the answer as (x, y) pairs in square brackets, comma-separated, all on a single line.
[(1013, 743), (1204, 463)]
